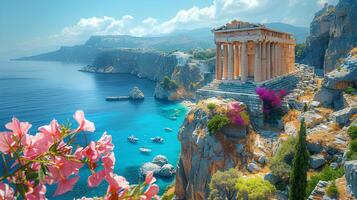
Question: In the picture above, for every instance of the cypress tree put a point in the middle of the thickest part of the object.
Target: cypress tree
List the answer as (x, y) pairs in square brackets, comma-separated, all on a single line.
[(298, 177)]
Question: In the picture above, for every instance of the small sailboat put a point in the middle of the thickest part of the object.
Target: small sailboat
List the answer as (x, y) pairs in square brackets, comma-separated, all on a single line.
[(168, 129), (145, 150), (133, 139), (157, 139)]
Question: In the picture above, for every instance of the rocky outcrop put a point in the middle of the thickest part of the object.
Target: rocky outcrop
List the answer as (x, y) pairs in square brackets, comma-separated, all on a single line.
[(351, 176), (203, 154), (143, 63), (336, 81), (332, 35), (136, 94), (189, 74), (159, 166)]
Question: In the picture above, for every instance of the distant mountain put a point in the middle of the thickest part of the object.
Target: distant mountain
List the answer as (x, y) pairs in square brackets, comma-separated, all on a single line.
[(300, 33), (87, 52), (182, 40)]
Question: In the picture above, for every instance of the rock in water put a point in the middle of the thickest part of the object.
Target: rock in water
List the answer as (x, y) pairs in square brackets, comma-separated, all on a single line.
[(160, 160), (167, 171), (149, 166), (136, 94)]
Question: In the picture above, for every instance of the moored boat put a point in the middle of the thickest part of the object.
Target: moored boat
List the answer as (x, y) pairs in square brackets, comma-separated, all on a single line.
[(168, 129), (133, 139), (145, 150), (157, 139)]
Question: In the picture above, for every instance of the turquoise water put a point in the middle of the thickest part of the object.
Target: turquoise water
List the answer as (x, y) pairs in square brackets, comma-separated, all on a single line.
[(40, 91)]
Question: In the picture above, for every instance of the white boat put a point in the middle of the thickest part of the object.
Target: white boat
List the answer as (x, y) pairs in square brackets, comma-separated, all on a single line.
[(157, 139), (133, 139), (168, 129), (173, 118), (145, 150)]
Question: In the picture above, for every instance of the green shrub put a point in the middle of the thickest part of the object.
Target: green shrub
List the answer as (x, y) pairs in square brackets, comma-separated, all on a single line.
[(222, 185), (280, 164), (211, 106), (352, 132), (332, 190), (169, 84), (351, 155), (339, 68), (216, 123), (254, 188), (353, 145), (350, 90), (204, 54), (327, 174)]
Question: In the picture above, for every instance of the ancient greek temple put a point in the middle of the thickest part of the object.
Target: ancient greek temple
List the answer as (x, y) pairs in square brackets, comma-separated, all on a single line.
[(253, 52)]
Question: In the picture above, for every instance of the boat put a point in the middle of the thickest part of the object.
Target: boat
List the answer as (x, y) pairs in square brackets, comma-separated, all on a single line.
[(157, 139), (145, 150), (133, 139), (173, 118), (168, 129)]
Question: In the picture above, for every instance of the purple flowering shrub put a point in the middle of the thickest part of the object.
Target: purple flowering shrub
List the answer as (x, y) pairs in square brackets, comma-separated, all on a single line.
[(271, 101), (237, 114)]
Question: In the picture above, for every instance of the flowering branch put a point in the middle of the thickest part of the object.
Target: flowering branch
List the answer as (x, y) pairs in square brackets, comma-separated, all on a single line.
[(33, 161)]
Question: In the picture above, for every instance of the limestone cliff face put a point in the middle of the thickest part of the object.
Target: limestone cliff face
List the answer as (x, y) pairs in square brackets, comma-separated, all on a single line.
[(336, 81), (202, 155), (190, 75), (143, 63), (332, 35)]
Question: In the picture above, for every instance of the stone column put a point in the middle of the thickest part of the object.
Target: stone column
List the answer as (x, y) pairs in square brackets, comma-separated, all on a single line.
[(285, 59), (218, 61), (264, 61), (236, 61), (272, 72), (257, 63), (279, 59), (268, 67), (225, 61), (230, 61), (244, 62)]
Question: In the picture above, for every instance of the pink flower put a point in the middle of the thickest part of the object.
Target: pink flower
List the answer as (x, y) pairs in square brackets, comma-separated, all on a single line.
[(91, 152), (6, 192), (108, 163), (116, 183), (51, 130), (104, 144), (96, 178), (65, 185), (150, 179), (37, 145), (36, 193), (6, 142), (151, 191), (84, 124), (20, 129)]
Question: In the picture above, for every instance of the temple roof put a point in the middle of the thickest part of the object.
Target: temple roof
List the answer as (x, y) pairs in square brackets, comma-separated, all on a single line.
[(236, 25)]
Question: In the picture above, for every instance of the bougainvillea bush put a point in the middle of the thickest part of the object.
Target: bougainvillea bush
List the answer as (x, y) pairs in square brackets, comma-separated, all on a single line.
[(271, 101), (237, 114), (33, 161)]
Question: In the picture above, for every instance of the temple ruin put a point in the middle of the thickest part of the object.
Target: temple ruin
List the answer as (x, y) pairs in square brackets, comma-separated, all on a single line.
[(250, 56), (249, 51)]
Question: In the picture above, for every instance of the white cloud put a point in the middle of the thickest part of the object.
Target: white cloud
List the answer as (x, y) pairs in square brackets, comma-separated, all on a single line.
[(219, 12)]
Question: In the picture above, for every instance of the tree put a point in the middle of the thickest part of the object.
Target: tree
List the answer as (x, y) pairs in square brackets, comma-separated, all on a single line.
[(222, 185), (298, 177), (254, 188)]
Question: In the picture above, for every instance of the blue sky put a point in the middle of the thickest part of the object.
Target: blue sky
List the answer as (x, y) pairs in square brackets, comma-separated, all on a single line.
[(34, 26)]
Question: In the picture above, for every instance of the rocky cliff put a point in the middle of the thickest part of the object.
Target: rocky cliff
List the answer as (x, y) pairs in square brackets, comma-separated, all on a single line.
[(337, 81), (203, 154), (143, 63), (332, 35)]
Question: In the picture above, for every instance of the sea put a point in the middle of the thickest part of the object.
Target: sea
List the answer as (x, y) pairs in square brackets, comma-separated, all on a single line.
[(38, 92)]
